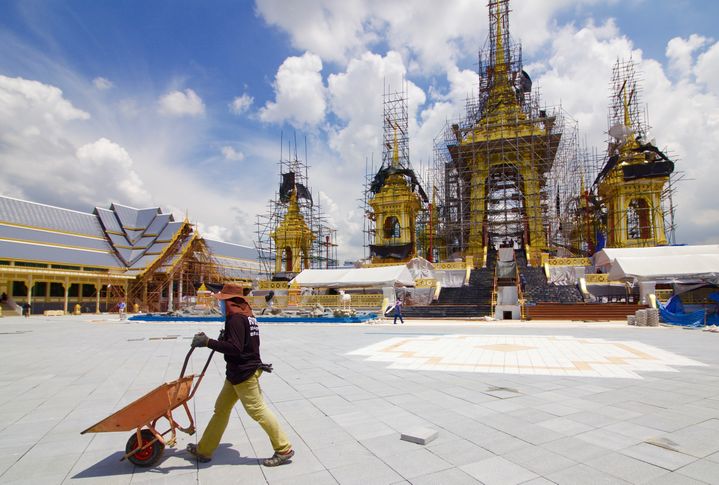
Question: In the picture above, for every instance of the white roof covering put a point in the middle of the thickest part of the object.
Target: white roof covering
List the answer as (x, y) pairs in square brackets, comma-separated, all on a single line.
[(607, 255), (675, 264), (379, 277)]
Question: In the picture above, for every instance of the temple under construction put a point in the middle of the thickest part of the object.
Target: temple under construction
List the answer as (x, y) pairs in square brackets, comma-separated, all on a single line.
[(294, 234), (393, 197), (513, 170), (505, 170), (514, 198)]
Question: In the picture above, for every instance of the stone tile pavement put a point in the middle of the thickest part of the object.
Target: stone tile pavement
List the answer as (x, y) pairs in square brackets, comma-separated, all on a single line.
[(598, 403)]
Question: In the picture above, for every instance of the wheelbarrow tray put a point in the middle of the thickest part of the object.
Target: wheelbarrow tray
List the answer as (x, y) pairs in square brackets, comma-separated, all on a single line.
[(153, 405)]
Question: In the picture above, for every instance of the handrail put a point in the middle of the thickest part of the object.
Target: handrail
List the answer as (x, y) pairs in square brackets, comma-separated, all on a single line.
[(493, 302), (520, 295)]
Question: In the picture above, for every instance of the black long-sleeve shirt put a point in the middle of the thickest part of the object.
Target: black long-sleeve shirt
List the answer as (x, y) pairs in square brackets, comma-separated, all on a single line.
[(241, 347)]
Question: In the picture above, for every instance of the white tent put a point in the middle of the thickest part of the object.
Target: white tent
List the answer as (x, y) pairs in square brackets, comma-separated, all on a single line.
[(605, 257), (669, 264), (382, 276)]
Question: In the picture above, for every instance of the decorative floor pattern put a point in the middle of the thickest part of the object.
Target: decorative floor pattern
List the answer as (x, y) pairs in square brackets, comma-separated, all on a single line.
[(525, 354)]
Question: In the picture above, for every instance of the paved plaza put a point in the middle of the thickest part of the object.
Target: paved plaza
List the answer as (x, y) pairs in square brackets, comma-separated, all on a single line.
[(547, 402)]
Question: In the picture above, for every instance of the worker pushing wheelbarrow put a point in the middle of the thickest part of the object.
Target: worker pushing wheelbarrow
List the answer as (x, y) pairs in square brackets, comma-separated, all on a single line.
[(147, 443), (240, 344)]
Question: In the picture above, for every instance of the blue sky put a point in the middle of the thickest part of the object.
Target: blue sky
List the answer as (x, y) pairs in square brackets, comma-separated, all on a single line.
[(131, 101)]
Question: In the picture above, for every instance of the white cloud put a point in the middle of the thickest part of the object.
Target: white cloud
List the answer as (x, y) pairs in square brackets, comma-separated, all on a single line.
[(683, 113), (681, 53), (102, 83), (578, 71), (44, 158), (32, 99), (299, 93), (106, 159), (231, 154), (707, 68), (356, 99), (329, 28), (241, 104), (431, 35), (179, 103)]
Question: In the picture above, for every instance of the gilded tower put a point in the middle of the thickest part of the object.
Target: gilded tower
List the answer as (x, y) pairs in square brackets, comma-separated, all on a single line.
[(395, 196), (499, 159), (632, 185), (293, 239)]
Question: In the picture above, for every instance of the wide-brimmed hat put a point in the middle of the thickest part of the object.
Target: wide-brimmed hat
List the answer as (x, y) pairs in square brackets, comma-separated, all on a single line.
[(231, 290)]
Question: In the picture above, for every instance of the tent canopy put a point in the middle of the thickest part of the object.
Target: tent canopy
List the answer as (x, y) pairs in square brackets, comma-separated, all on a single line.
[(606, 256), (670, 264), (379, 277)]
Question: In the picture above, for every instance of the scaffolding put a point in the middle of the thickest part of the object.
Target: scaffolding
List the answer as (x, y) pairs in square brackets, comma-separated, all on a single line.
[(509, 169), (171, 282), (636, 181), (294, 175), (408, 194)]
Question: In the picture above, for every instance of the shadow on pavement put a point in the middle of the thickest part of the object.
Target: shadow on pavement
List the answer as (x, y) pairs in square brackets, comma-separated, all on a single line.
[(112, 466)]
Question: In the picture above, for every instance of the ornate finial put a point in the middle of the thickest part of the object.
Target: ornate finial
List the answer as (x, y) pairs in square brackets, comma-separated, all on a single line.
[(631, 141), (293, 207), (499, 62)]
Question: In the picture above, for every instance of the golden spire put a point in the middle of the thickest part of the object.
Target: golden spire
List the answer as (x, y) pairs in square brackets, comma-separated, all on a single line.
[(503, 104), (395, 150), (499, 62), (631, 141), (293, 206)]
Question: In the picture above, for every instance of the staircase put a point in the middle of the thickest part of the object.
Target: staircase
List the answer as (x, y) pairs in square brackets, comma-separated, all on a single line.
[(591, 312), (538, 290), (472, 300)]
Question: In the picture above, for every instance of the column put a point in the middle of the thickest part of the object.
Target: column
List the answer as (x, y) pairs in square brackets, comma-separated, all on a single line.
[(278, 260), (125, 295), (171, 295), (29, 284), (179, 289), (98, 287), (477, 215), (66, 287), (144, 296)]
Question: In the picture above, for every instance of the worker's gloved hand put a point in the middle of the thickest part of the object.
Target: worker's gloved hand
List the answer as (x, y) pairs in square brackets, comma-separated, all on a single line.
[(200, 340)]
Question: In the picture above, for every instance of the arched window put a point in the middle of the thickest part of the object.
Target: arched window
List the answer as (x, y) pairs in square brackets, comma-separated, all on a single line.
[(391, 228), (638, 220)]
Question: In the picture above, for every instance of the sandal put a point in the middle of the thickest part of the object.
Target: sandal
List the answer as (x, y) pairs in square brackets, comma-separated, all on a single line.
[(192, 449), (279, 458)]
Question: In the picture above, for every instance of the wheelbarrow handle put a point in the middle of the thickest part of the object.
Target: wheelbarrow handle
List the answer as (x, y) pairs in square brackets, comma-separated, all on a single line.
[(202, 374), (187, 359)]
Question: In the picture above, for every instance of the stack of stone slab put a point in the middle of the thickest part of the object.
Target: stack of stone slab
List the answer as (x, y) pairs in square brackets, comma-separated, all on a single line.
[(644, 318)]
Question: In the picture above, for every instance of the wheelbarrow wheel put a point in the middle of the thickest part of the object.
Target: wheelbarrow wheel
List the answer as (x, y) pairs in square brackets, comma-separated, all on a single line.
[(149, 455)]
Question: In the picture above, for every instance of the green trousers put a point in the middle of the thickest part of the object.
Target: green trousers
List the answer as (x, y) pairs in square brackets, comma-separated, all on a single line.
[(250, 394)]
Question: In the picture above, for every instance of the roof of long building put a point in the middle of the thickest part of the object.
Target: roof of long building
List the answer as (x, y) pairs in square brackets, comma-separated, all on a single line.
[(120, 238)]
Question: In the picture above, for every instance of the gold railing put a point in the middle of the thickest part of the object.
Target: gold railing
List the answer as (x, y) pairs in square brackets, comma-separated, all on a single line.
[(663, 295), (569, 262), (332, 301), (596, 278), (450, 266), (272, 285), (425, 283), (600, 279)]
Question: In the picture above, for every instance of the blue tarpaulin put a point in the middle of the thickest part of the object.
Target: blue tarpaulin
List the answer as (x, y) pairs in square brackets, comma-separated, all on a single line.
[(673, 313)]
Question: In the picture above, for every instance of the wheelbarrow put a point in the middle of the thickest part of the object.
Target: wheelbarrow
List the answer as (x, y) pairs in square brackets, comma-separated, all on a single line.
[(147, 443)]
